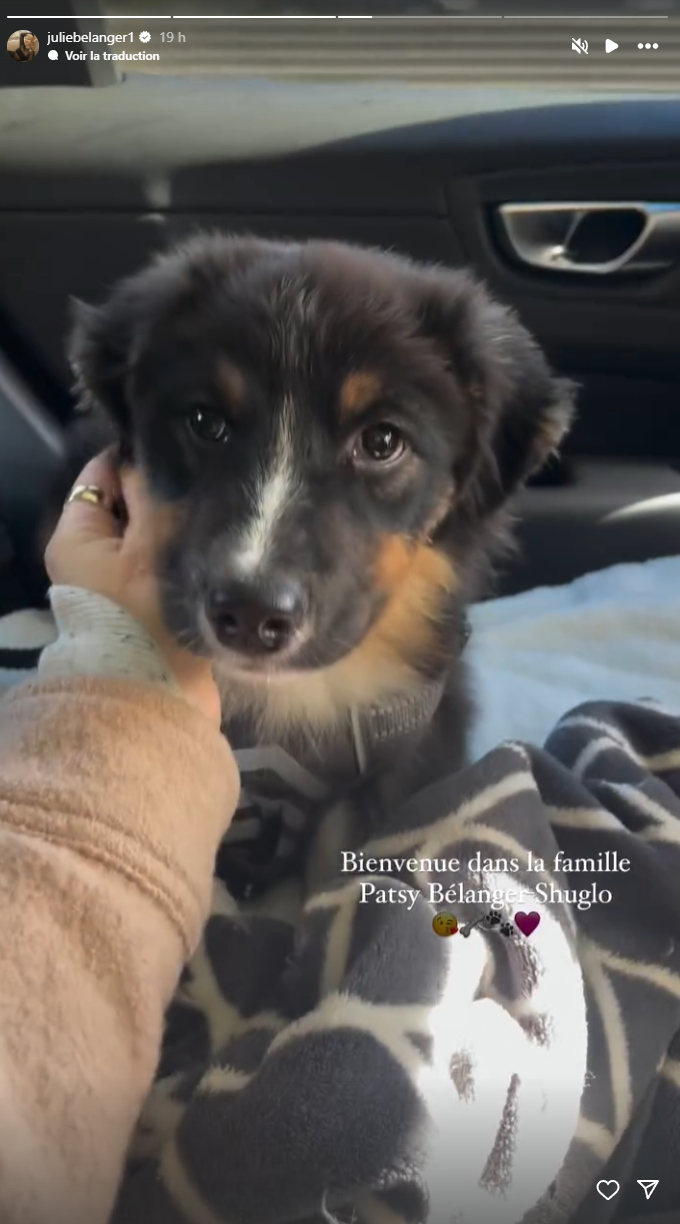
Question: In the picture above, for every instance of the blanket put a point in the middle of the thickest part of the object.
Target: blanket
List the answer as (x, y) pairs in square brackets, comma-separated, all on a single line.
[(347, 1063), (338, 1056), (612, 633)]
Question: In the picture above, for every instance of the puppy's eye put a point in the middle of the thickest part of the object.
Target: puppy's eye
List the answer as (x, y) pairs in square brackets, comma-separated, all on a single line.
[(382, 443), (207, 424)]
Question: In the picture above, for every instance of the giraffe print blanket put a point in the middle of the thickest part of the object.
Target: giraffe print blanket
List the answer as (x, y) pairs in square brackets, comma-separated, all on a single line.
[(331, 1057)]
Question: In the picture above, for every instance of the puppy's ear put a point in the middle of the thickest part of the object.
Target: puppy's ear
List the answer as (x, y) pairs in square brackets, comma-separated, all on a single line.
[(99, 355), (517, 411)]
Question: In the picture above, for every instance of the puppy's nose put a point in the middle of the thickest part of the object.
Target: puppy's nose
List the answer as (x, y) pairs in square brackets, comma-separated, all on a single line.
[(256, 619)]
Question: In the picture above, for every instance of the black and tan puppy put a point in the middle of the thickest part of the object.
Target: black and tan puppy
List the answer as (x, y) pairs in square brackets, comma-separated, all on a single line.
[(330, 436)]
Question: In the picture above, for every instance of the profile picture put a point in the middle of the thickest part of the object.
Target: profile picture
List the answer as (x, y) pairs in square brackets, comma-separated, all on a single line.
[(22, 46)]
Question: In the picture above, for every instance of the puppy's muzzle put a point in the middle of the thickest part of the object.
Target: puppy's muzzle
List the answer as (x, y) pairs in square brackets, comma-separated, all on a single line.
[(257, 618)]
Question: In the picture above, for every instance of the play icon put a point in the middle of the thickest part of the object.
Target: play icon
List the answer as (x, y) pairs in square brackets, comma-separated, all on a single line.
[(610, 45), (648, 1186)]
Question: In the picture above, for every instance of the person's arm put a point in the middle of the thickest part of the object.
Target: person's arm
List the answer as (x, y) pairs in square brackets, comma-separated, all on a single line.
[(114, 794)]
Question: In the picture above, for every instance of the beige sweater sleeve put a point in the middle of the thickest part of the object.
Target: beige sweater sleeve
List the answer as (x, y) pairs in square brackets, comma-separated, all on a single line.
[(114, 795)]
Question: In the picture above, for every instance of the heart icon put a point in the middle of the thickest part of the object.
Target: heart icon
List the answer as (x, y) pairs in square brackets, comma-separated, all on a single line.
[(527, 922), (607, 1189)]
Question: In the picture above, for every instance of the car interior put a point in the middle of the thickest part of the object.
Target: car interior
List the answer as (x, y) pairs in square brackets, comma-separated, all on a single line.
[(568, 207), (504, 137)]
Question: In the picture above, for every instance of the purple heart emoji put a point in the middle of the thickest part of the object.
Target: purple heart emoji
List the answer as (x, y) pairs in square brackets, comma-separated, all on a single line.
[(527, 922)]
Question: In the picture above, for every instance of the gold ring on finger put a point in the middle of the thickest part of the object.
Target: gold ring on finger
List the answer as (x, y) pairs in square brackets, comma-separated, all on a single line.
[(87, 493)]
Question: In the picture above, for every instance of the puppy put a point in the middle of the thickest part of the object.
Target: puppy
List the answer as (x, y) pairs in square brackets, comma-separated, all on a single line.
[(330, 436)]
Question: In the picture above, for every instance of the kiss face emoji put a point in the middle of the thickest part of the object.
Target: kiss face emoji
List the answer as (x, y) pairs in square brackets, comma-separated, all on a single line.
[(444, 924)]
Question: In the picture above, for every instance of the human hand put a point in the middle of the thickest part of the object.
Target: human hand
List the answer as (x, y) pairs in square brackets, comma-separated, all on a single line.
[(93, 549)]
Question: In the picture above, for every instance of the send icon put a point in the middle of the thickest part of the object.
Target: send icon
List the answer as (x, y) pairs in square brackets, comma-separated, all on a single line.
[(649, 1187)]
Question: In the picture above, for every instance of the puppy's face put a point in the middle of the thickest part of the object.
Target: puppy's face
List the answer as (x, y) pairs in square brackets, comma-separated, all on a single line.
[(325, 431)]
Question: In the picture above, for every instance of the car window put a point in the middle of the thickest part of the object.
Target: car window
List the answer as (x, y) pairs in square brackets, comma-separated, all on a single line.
[(510, 44)]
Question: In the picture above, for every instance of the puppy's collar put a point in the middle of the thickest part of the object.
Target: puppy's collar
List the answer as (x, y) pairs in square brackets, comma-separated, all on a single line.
[(393, 723), (377, 730)]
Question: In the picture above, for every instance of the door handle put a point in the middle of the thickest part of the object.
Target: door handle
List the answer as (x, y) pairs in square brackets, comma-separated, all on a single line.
[(593, 239)]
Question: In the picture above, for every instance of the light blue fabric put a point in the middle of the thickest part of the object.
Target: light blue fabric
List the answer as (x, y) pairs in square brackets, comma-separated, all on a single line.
[(612, 635)]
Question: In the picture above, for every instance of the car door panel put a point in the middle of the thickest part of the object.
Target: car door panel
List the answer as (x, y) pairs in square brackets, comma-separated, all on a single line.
[(431, 191)]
